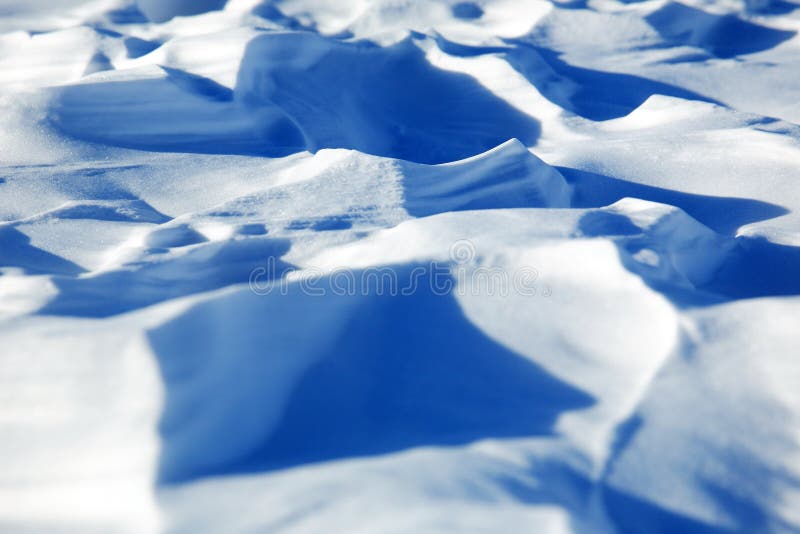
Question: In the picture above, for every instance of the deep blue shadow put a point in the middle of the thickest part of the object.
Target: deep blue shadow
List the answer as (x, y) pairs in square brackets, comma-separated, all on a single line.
[(571, 4), (467, 11), (210, 266), (99, 62), (592, 94), (402, 371), (603, 223), (758, 268), (136, 47), (755, 267), (778, 7), (180, 112), (384, 101), (724, 36), (323, 224), (129, 14), (412, 371), (123, 211), (722, 214), (16, 251), (200, 85), (634, 515)]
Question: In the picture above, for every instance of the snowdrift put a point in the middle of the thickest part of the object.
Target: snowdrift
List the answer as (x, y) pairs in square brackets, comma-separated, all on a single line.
[(377, 266)]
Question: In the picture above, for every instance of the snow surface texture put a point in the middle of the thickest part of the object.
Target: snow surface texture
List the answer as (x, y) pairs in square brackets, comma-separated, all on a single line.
[(184, 183)]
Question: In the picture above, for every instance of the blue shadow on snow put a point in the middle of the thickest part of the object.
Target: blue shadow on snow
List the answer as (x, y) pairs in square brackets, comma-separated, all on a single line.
[(724, 36), (384, 373)]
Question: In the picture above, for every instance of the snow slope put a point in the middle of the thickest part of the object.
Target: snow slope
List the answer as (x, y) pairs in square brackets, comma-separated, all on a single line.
[(383, 266)]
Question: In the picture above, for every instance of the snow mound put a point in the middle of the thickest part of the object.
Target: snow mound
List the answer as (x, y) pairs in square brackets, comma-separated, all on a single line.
[(347, 95)]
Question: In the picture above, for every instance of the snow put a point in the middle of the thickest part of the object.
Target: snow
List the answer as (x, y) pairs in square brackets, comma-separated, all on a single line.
[(379, 266), (163, 10)]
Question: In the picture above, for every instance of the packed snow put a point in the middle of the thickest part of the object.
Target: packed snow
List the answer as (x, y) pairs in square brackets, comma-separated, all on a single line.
[(393, 266)]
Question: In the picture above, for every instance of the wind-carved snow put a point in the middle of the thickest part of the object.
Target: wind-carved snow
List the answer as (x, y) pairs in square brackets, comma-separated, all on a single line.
[(394, 266)]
